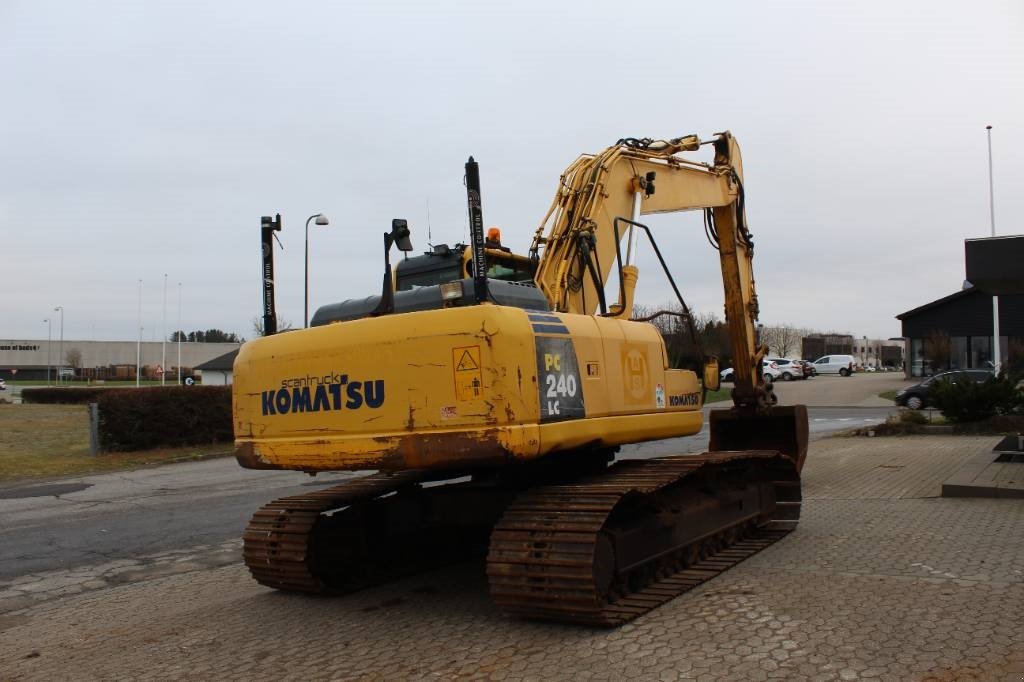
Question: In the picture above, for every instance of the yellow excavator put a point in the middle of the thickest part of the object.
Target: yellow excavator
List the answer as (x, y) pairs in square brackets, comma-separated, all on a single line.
[(491, 410)]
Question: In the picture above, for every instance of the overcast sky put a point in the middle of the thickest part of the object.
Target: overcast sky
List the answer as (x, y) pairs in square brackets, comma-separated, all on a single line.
[(143, 138)]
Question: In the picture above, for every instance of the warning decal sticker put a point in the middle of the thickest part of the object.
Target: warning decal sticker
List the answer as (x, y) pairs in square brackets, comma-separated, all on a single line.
[(469, 384)]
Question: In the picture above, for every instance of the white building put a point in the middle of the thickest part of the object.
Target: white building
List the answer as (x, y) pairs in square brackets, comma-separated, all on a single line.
[(218, 371), (34, 359), (878, 353)]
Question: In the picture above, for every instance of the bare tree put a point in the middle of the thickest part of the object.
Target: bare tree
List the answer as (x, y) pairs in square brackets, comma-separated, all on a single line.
[(283, 325), (1015, 354), (686, 347), (937, 347), (74, 358), (783, 339)]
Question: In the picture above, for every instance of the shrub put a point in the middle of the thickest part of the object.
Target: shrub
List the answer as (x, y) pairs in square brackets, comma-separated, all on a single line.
[(970, 401), (1000, 424), (142, 418), (63, 396), (912, 417)]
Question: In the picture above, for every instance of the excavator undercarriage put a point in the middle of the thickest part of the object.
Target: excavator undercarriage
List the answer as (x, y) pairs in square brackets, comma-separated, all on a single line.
[(565, 539)]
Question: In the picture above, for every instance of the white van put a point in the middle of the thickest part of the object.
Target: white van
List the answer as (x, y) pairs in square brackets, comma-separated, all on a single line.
[(834, 364)]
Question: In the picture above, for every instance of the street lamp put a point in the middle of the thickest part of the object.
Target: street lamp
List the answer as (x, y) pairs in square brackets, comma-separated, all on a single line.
[(49, 342), (321, 219), (60, 355)]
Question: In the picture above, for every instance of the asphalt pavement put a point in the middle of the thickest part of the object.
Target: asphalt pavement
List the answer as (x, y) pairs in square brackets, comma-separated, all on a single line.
[(92, 519)]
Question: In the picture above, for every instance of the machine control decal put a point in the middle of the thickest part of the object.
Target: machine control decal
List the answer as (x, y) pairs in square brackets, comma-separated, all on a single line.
[(659, 396), (558, 374), (469, 380)]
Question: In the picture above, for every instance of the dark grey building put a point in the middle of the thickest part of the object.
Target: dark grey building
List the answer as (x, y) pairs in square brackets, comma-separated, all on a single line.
[(816, 345), (955, 332)]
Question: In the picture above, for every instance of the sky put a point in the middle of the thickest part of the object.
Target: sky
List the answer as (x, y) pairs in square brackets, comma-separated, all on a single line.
[(144, 139)]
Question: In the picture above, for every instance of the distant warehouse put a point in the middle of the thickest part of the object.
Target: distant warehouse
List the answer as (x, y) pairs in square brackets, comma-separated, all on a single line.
[(817, 345), (35, 359)]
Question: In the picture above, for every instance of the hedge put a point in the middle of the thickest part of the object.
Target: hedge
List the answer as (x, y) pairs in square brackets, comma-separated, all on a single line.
[(64, 396), (168, 416), (968, 401)]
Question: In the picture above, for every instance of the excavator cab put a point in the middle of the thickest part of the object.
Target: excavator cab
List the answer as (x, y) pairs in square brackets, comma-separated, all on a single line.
[(445, 263)]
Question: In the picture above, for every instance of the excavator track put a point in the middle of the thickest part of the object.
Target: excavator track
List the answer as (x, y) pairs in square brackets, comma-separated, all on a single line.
[(278, 543), (611, 547)]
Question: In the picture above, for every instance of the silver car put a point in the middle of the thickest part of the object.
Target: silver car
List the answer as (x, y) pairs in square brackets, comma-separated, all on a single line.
[(789, 369)]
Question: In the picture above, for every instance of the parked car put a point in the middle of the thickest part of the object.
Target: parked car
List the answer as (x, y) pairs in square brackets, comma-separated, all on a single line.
[(789, 369), (919, 395), (3, 385), (835, 364), (809, 368), (768, 368)]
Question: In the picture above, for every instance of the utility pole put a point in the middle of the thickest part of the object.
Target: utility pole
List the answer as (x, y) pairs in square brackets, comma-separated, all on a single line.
[(163, 340), (60, 356), (996, 353), (138, 344), (49, 345), (180, 332)]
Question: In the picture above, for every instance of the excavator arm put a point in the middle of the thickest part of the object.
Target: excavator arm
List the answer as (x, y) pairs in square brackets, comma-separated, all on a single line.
[(580, 234)]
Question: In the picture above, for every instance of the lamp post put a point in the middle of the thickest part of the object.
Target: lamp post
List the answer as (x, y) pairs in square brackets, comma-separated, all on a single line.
[(321, 219), (60, 354), (996, 355), (163, 340), (49, 342), (180, 332), (138, 344)]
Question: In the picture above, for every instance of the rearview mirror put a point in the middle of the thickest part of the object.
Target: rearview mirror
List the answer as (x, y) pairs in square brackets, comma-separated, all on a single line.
[(400, 234), (712, 379)]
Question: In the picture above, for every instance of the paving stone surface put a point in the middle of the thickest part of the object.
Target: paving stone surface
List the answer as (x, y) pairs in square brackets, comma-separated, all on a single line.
[(882, 580)]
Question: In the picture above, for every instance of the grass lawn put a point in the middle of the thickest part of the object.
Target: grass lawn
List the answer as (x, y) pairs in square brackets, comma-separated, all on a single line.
[(888, 395), (723, 393), (50, 441)]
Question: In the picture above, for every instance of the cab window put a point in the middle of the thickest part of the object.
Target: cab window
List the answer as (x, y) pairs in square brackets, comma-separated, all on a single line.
[(427, 279), (506, 270)]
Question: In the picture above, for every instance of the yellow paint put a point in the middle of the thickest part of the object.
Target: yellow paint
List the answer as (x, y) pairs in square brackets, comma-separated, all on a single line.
[(636, 384), (414, 357), (523, 441)]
